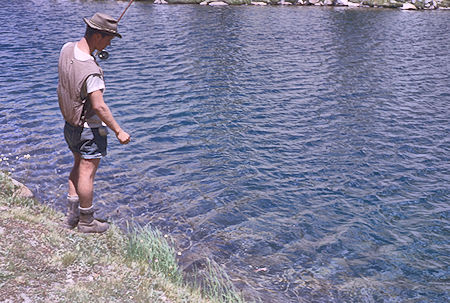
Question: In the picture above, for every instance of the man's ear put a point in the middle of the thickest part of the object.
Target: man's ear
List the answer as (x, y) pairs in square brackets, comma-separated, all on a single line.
[(96, 37)]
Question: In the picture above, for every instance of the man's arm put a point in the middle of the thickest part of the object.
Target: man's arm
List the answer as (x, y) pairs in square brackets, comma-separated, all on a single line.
[(104, 113)]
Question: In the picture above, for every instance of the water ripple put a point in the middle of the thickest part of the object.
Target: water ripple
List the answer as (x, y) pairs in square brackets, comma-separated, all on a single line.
[(304, 149)]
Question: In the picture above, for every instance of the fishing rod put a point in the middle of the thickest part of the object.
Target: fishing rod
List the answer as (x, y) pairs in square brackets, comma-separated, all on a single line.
[(104, 54)]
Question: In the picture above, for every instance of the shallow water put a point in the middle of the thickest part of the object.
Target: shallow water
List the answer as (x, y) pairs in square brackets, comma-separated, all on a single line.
[(304, 149)]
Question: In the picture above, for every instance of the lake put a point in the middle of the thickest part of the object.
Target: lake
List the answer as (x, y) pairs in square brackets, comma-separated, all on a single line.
[(305, 150)]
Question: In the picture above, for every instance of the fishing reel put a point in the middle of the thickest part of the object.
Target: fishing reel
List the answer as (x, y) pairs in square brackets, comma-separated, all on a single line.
[(103, 55)]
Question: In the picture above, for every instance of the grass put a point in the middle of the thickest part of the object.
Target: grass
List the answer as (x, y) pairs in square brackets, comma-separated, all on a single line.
[(215, 285), (42, 262)]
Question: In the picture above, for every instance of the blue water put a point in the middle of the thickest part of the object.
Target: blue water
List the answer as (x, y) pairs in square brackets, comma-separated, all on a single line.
[(306, 150)]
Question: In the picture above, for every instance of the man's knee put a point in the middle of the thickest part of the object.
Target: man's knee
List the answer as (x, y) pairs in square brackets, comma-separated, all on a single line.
[(88, 167)]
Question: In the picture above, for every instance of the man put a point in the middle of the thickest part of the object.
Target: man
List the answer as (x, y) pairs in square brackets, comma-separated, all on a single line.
[(80, 96)]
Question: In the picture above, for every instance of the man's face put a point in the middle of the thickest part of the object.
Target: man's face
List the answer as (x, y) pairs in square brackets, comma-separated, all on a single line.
[(104, 41)]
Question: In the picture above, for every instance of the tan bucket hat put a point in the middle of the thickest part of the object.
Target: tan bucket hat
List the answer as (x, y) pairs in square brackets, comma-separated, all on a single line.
[(103, 22)]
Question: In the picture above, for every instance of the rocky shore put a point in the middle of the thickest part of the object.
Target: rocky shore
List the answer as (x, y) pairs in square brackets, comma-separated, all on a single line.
[(399, 4)]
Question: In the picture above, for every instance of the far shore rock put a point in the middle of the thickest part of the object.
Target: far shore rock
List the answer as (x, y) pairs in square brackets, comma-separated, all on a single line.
[(408, 6), (218, 3)]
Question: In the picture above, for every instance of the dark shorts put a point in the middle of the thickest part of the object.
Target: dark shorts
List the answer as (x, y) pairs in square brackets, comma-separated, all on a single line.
[(86, 141)]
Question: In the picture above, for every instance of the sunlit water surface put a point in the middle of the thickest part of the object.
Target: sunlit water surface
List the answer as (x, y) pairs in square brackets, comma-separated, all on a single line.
[(304, 149)]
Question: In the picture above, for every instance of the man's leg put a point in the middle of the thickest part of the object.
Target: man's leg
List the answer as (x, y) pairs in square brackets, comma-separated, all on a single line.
[(85, 183), (73, 212), (73, 177), (85, 190)]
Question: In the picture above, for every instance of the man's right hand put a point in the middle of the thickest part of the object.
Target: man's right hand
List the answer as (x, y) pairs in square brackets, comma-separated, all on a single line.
[(123, 137)]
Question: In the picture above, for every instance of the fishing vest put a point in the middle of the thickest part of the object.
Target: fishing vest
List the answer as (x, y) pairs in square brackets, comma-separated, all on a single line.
[(72, 93)]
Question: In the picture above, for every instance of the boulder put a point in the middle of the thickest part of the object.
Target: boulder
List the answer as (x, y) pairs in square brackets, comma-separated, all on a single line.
[(237, 2), (342, 2), (217, 3), (22, 190), (382, 3), (259, 3), (431, 4), (408, 6), (444, 4), (353, 4), (183, 1), (395, 4)]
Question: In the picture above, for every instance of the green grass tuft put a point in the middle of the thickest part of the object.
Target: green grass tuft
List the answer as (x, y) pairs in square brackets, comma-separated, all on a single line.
[(146, 244)]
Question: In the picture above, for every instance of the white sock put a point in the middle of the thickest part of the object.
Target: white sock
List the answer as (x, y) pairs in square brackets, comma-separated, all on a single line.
[(72, 198)]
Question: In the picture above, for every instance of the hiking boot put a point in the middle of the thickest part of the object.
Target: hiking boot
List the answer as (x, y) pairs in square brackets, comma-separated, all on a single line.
[(88, 224), (73, 212)]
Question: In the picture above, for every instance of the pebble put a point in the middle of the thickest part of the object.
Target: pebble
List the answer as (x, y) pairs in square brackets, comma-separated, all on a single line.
[(25, 298)]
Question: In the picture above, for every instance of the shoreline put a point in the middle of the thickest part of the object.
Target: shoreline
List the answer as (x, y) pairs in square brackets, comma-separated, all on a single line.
[(43, 261), (393, 4)]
